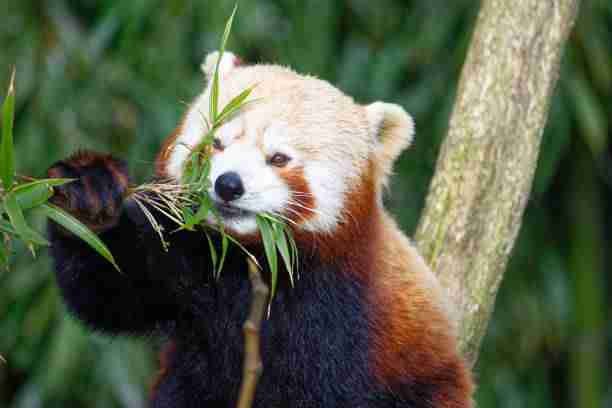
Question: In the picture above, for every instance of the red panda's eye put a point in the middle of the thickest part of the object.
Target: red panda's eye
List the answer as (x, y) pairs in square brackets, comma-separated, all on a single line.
[(279, 160), (217, 144)]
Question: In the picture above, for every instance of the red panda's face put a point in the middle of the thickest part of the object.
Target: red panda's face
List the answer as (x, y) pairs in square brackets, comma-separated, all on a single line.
[(256, 169), (295, 152)]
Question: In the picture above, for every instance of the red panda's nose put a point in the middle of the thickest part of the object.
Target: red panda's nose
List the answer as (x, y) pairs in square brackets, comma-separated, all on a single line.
[(229, 186)]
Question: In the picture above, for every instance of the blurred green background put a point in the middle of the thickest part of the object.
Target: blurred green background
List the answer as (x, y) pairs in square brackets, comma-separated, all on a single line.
[(114, 75)]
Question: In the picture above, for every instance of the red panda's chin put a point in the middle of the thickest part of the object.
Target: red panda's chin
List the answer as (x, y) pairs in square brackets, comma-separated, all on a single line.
[(241, 226)]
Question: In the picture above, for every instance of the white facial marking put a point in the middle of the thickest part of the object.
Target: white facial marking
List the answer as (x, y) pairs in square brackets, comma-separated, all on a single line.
[(328, 190)]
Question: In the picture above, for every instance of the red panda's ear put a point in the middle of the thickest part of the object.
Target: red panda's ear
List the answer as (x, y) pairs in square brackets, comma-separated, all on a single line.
[(227, 64), (393, 128)]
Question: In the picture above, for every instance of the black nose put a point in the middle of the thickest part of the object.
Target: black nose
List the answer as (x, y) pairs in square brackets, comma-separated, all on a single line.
[(229, 186)]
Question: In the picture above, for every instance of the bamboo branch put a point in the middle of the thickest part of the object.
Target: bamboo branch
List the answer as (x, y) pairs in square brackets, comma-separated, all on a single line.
[(252, 366), (484, 173)]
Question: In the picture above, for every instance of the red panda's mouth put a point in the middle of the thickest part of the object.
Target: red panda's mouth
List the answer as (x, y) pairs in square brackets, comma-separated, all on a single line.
[(228, 211)]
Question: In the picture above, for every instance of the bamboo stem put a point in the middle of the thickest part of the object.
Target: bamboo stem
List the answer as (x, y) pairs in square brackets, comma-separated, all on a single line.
[(253, 366)]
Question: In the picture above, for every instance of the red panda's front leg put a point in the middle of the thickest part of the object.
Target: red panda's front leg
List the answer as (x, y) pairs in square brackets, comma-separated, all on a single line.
[(128, 301)]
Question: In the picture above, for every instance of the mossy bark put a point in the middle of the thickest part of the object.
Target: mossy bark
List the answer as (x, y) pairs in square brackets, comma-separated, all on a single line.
[(486, 165)]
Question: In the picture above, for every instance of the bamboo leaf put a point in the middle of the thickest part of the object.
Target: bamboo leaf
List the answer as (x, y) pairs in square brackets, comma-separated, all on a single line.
[(191, 170), (213, 253), (23, 230), (203, 181), (51, 182), (187, 219), (267, 236), (234, 105), (5, 226), (7, 153), (228, 29), (208, 138), (214, 92), (32, 196), (283, 249), (294, 251), (79, 229), (224, 248), (35, 193), (201, 214), (4, 253)]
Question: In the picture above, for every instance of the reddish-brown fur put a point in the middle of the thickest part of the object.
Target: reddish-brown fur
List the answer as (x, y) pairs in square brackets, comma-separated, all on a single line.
[(302, 207), (412, 339), (346, 245), (164, 153), (165, 356)]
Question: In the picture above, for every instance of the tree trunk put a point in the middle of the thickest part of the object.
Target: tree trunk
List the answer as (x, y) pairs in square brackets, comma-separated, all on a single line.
[(484, 173)]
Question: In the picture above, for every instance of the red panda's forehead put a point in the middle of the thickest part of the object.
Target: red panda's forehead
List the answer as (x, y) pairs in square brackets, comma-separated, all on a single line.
[(281, 94), (309, 114)]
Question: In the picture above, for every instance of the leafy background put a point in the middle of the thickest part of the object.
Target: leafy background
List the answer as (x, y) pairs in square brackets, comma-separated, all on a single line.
[(114, 75)]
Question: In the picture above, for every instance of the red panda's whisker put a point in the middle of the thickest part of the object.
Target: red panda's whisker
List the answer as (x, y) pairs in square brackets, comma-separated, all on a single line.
[(282, 217), (296, 213), (292, 206), (305, 207), (293, 211), (301, 193)]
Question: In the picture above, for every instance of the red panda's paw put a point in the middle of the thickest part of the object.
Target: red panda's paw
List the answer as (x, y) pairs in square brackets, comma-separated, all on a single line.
[(96, 196)]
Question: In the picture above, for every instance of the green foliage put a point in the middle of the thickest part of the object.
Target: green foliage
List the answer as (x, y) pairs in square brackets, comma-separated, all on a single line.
[(112, 75), (7, 162), (77, 228), (277, 239), (16, 198)]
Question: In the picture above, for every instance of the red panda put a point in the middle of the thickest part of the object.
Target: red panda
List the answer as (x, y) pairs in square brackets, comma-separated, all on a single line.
[(365, 325)]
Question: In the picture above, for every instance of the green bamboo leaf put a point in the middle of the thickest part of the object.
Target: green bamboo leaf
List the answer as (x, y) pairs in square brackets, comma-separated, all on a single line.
[(187, 219), (191, 170), (283, 249), (224, 248), (201, 214), (35, 193), (228, 29), (4, 253), (294, 250), (23, 230), (205, 120), (203, 181), (79, 229), (267, 236), (214, 93), (7, 153), (51, 182), (213, 253), (234, 105), (5, 226), (32, 196), (208, 138)]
